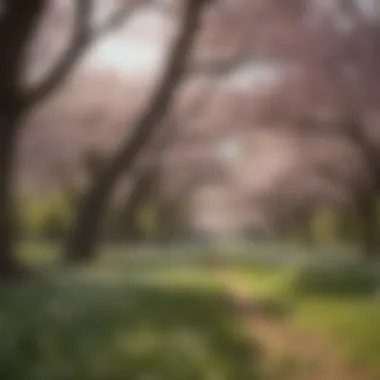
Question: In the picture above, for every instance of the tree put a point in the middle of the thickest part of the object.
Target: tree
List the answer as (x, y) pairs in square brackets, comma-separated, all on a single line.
[(82, 241), (337, 84), (19, 21)]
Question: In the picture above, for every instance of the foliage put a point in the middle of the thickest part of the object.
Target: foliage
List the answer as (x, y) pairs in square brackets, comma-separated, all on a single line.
[(48, 218), (45, 218)]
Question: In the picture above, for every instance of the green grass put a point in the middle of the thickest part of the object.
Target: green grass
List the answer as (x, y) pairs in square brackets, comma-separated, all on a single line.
[(351, 323), (264, 282), (105, 324), (336, 299), (337, 302), (182, 289)]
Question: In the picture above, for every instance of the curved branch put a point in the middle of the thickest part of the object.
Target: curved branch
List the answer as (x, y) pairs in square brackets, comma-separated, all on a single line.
[(81, 244), (60, 71), (114, 21), (221, 67), (83, 36)]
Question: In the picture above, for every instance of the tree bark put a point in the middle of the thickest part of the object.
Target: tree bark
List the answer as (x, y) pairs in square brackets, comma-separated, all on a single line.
[(171, 218), (308, 233), (367, 211), (19, 19), (9, 264), (347, 226), (128, 225), (82, 241), (18, 22), (166, 223)]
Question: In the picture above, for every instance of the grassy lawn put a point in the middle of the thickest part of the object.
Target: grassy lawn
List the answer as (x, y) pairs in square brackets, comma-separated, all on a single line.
[(346, 310), (352, 323), (92, 325), (138, 315)]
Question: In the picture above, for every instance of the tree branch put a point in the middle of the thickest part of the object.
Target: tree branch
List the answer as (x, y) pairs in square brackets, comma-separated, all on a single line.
[(83, 36), (220, 67), (60, 71), (162, 98), (82, 242)]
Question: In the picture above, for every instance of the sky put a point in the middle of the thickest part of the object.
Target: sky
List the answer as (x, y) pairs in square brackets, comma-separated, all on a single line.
[(137, 49), (141, 47)]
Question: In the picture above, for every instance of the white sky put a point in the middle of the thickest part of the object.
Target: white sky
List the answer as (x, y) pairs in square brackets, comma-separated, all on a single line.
[(139, 49), (258, 74), (128, 56)]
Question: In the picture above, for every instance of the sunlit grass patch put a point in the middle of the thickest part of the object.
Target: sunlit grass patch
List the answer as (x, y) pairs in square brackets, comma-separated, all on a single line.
[(338, 302), (352, 323)]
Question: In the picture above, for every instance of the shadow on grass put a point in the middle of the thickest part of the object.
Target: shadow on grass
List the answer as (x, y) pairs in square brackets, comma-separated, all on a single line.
[(343, 280), (81, 329)]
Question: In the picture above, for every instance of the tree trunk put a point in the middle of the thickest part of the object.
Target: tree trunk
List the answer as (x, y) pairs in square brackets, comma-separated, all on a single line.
[(87, 227), (306, 229), (367, 211), (128, 225), (9, 265), (170, 219), (19, 19), (347, 226), (165, 220)]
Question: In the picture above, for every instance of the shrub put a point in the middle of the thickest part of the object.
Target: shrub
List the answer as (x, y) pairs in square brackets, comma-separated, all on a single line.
[(45, 218)]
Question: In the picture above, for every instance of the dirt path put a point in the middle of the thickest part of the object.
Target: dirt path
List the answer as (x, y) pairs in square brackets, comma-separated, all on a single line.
[(288, 353)]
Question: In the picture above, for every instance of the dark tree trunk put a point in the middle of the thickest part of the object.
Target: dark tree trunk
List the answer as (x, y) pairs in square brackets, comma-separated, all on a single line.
[(347, 224), (9, 265), (170, 219), (88, 225), (306, 229), (165, 220), (81, 242), (15, 31), (128, 224), (367, 212)]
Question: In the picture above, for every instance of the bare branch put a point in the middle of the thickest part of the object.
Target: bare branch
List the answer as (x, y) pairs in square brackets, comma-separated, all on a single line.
[(162, 98), (83, 36), (221, 67), (175, 123), (63, 67), (82, 242), (114, 21)]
